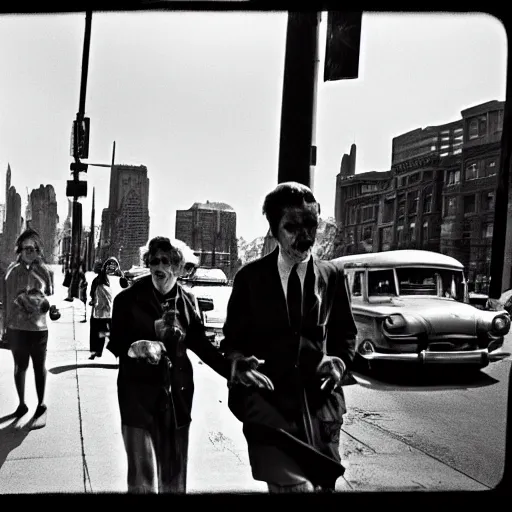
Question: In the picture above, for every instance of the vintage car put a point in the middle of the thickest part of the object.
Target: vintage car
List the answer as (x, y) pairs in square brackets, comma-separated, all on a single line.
[(413, 306)]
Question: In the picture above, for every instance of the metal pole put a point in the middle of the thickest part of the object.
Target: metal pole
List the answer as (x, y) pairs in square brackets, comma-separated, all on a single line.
[(298, 103), (76, 223), (314, 115)]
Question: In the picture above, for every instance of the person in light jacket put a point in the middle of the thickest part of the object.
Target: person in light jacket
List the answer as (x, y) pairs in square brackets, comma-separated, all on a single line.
[(101, 313)]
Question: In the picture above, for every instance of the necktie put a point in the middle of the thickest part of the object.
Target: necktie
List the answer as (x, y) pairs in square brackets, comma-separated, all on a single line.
[(294, 299)]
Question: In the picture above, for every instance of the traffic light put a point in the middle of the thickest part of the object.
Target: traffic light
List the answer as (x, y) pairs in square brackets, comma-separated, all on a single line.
[(78, 167), (81, 138)]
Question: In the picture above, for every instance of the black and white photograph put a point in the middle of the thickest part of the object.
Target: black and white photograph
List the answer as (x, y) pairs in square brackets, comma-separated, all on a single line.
[(254, 251)]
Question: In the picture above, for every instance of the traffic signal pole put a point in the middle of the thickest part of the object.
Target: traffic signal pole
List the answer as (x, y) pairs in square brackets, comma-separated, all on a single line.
[(76, 188), (297, 154)]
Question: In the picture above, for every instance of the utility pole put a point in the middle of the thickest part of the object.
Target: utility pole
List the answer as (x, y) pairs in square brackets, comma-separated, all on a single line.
[(297, 154), (80, 149)]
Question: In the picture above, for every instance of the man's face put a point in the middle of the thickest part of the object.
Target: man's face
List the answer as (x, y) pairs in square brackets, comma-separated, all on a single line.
[(162, 271), (296, 232), (28, 251)]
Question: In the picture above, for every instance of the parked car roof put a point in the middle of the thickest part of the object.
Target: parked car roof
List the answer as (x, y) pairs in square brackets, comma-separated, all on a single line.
[(404, 257)]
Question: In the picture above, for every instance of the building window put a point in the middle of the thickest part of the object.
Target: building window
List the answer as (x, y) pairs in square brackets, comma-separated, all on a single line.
[(412, 231), (466, 231), (427, 201), (412, 199), (369, 188), (400, 235), (477, 127), (400, 181), (366, 233), (401, 205), (487, 201), (473, 129), (413, 178), (453, 178), (487, 230), (424, 234), (387, 214), (386, 238), (471, 172), (427, 175), (450, 206), (351, 215), (469, 204), (367, 213), (490, 167)]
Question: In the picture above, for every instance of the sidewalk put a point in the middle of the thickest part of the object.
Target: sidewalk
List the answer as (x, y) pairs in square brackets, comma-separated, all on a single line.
[(81, 450)]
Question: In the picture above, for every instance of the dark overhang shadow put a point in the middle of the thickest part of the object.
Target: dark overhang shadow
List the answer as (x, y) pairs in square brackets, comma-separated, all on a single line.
[(66, 368)]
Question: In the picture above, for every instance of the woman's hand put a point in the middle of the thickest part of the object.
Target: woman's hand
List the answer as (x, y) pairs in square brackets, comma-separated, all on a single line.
[(243, 371)]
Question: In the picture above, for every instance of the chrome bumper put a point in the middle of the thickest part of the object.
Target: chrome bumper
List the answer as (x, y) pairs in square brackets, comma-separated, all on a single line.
[(482, 357)]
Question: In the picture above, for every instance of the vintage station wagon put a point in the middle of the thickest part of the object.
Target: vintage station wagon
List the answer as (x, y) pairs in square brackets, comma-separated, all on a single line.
[(413, 306)]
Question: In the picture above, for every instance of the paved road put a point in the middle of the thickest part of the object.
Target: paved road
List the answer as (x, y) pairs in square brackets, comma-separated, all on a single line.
[(455, 418)]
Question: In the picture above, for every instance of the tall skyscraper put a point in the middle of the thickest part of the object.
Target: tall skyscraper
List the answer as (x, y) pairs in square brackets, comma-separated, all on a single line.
[(42, 209), (125, 223)]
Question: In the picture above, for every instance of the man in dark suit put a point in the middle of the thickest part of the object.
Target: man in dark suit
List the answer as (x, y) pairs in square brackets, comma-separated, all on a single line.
[(291, 335)]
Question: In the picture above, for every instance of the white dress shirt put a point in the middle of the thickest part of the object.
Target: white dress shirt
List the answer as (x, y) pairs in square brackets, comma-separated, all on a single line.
[(285, 267)]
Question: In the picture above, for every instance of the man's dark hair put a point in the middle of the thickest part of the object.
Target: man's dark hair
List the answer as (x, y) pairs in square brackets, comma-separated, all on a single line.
[(30, 233), (286, 195)]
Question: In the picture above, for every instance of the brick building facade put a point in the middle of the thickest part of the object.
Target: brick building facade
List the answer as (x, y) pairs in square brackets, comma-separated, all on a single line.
[(125, 223), (438, 194), (210, 230)]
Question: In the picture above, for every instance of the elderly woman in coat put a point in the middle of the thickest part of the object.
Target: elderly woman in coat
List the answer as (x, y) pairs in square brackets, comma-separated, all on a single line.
[(154, 322)]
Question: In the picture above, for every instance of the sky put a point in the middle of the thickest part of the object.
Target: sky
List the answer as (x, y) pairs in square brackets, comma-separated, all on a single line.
[(196, 98)]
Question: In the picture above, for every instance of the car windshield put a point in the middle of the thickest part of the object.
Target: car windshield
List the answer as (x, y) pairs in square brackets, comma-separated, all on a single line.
[(431, 281)]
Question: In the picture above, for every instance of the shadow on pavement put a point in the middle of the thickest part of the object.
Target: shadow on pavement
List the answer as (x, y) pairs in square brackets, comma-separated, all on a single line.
[(424, 379), (69, 367), (11, 436)]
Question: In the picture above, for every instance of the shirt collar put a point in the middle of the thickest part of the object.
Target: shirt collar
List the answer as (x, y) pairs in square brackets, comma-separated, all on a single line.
[(285, 266)]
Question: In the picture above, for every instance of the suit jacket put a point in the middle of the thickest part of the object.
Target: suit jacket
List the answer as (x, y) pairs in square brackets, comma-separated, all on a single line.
[(143, 389), (257, 324)]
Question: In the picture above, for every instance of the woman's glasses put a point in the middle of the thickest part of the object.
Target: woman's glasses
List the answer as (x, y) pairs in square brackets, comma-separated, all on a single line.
[(156, 261)]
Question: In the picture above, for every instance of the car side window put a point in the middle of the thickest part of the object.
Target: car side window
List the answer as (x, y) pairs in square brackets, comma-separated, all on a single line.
[(381, 282), (357, 284)]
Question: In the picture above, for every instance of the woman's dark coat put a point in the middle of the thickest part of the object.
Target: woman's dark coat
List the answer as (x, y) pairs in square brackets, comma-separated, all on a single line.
[(143, 389)]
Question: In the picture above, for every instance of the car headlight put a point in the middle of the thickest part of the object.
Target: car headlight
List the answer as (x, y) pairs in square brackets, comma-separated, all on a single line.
[(500, 324), (395, 322)]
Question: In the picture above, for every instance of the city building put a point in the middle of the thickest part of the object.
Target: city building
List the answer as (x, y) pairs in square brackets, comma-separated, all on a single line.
[(210, 230), (13, 221), (41, 215), (64, 237), (125, 223), (438, 194)]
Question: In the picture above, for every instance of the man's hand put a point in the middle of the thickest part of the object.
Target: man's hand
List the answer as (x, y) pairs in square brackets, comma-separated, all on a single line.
[(243, 371), (331, 369)]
